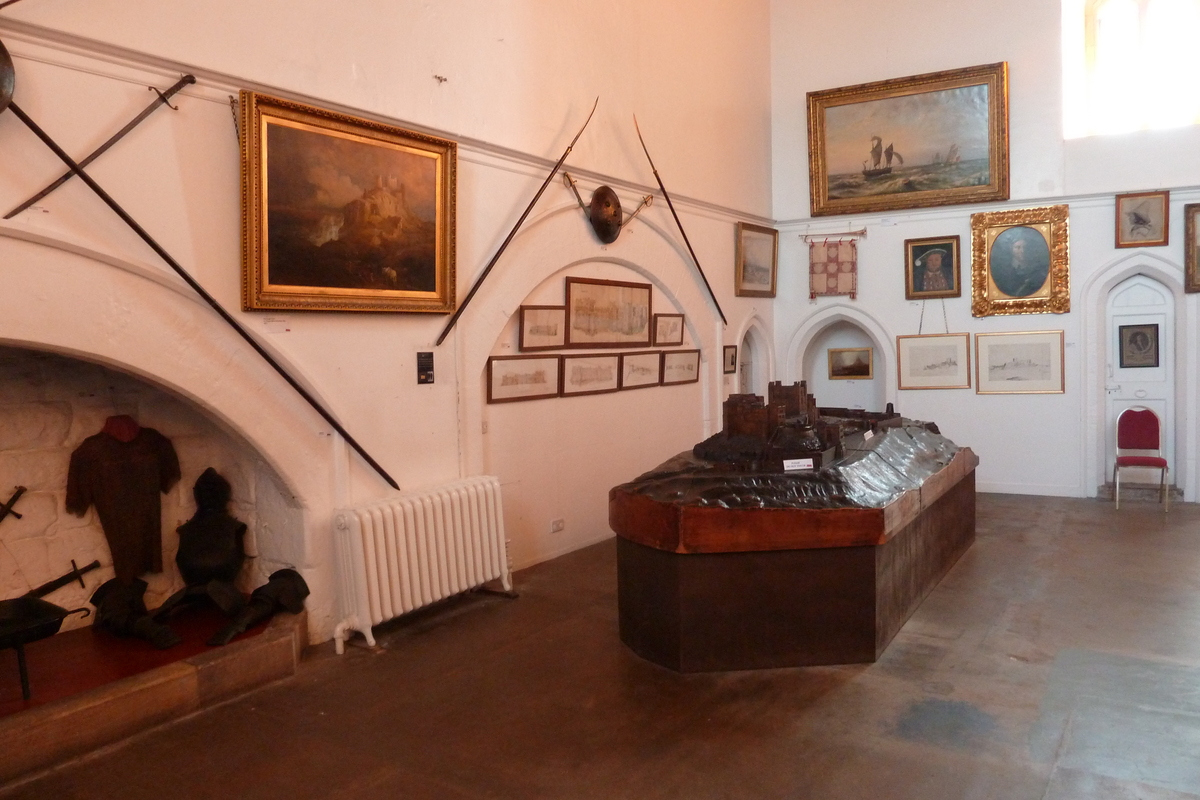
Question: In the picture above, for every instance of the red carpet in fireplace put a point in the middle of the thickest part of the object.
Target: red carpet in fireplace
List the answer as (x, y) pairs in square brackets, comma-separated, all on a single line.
[(78, 661)]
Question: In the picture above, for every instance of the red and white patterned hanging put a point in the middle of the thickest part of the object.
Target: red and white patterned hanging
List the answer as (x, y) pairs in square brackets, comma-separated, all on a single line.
[(832, 268)]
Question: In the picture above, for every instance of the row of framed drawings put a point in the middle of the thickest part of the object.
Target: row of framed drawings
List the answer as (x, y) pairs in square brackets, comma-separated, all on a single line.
[(599, 313), (1005, 363), (513, 378)]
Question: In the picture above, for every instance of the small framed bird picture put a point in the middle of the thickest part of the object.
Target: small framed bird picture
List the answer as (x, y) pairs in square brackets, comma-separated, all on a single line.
[(1143, 219)]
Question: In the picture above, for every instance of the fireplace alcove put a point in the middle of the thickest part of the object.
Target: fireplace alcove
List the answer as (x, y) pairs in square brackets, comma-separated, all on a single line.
[(121, 336)]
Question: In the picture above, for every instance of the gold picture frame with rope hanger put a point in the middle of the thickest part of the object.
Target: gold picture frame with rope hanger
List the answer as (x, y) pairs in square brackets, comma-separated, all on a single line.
[(933, 361)]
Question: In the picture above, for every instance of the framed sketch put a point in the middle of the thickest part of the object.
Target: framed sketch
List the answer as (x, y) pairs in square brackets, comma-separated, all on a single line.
[(343, 214), (757, 260), (680, 366), (1019, 363), (729, 359), (512, 378), (934, 361), (1191, 248), (542, 328), (1143, 219), (851, 363), (639, 370), (1019, 262), (1138, 345), (607, 313), (668, 329), (927, 140), (592, 374), (931, 268)]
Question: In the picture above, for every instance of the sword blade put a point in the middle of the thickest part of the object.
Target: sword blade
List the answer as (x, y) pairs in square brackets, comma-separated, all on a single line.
[(161, 99)]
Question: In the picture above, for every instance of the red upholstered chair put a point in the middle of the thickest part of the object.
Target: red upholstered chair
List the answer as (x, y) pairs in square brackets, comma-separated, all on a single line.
[(1138, 429)]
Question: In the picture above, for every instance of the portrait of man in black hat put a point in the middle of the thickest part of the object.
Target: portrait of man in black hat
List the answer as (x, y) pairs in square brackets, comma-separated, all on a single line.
[(932, 268)]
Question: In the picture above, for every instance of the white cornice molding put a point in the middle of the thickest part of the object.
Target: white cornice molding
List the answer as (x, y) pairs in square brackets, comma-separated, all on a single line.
[(70, 51)]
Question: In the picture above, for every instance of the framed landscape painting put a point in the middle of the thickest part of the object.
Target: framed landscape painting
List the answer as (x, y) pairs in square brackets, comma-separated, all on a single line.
[(680, 366), (668, 329), (608, 313), (343, 214), (934, 361), (1191, 248), (512, 378), (1019, 363), (851, 363), (591, 374), (542, 328), (639, 370), (926, 140), (757, 260)]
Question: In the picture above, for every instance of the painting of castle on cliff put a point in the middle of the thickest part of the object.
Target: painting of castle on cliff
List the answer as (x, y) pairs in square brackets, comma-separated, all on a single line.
[(343, 214)]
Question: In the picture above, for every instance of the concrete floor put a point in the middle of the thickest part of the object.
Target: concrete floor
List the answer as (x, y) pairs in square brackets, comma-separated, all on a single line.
[(1060, 658)]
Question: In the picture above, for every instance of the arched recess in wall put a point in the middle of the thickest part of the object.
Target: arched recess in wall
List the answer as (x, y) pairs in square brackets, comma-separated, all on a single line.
[(558, 457), (559, 237), (801, 347), (62, 298), (755, 359), (1094, 294)]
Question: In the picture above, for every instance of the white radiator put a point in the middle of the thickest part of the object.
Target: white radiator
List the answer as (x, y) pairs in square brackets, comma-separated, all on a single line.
[(408, 551)]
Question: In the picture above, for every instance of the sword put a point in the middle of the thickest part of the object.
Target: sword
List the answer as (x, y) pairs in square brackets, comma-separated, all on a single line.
[(671, 206), (483, 275), (163, 98), (76, 574), (7, 508)]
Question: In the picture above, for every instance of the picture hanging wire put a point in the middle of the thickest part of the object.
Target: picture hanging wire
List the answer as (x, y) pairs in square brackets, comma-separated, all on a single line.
[(921, 323)]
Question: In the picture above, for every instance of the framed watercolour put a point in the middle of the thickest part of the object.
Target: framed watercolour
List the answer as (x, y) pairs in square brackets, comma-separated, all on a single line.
[(757, 260), (668, 329), (1019, 363), (591, 374), (927, 140), (680, 366), (639, 370), (608, 313), (542, 328), (851, 364), (934, 361), (931, 268), (1019, 262), (729, 359), (343, 214), (1138, 345), (1191, 248), (1143, 219), (512, 378)]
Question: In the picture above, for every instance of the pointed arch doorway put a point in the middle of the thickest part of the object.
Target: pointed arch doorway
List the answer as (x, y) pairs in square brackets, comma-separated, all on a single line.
[(1140, 369)]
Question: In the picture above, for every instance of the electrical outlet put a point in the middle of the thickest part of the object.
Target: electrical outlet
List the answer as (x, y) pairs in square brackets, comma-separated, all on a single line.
[(556, 525)]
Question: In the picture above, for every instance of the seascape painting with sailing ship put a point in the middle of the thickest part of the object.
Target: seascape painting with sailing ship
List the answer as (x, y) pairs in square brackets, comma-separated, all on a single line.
[(912, 143)]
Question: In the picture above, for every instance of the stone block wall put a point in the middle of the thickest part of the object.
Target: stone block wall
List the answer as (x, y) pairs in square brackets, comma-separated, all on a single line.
[(48, 405)]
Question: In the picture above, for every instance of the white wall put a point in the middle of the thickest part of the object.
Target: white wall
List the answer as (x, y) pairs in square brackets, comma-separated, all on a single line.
[(520, 77), (1043, 444)]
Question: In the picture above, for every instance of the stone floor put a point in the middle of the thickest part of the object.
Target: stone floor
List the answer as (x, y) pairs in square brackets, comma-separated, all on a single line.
[(1060, 658)]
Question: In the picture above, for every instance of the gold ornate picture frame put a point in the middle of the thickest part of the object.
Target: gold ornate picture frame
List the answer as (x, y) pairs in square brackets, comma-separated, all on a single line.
[(927, 140), (757, 261), (343, 214), (1020, 262)]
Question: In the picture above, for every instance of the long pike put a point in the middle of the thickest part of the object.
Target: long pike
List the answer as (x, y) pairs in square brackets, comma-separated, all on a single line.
[(671, 206), (483, 275)]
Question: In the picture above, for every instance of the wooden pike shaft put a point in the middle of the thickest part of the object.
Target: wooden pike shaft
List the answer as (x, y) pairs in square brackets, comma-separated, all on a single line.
[(483, 275), (671, 206), (212, 302)]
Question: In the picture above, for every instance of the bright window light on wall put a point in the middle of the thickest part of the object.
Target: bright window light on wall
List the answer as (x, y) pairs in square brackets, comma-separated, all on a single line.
[(1130, 65)]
